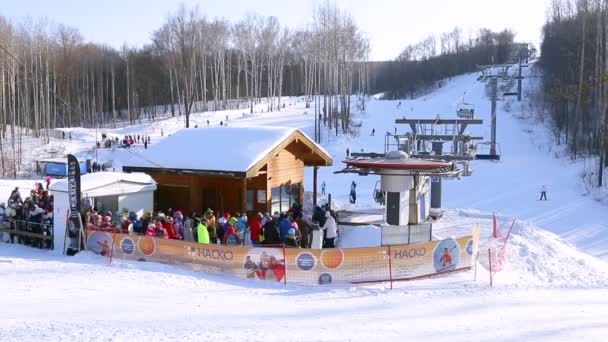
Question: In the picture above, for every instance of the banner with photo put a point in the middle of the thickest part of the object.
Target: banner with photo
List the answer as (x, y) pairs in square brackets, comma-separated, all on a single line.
[(296, 265)]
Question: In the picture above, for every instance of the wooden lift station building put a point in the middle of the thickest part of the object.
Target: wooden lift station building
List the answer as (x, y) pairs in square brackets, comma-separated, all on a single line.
[(245, 169)]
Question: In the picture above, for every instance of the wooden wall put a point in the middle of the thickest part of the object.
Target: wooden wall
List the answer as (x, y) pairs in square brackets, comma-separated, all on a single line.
[(284, 168), (218, 193), (196, 193)]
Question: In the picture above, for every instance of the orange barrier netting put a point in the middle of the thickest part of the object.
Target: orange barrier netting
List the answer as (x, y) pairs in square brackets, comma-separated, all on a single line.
[(297, 265)]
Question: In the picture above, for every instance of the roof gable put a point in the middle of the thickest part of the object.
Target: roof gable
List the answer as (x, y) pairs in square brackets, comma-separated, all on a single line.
[(238, 150)]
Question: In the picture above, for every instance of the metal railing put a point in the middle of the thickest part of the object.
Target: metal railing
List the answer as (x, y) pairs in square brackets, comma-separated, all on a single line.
[(28, 233)]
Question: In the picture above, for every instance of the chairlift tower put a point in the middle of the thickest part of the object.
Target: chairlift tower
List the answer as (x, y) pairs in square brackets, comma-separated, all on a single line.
[(488, 73), (437, 132)]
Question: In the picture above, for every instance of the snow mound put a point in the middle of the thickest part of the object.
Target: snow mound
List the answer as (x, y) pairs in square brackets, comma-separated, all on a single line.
[(539, 257)]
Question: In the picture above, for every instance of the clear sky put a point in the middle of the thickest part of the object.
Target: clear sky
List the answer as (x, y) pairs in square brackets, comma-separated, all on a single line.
[(391, 24)]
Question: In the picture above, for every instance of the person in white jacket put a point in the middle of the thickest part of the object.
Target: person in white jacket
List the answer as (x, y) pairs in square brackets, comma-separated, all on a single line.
[(331, 229)]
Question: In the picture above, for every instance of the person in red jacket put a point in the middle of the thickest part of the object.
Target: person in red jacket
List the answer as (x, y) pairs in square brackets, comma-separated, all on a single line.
[(161, 232), (231, 237), (255, 227), (168, 225)]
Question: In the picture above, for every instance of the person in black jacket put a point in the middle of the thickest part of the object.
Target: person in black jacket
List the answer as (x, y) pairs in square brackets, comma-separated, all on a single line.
[(272, 235)]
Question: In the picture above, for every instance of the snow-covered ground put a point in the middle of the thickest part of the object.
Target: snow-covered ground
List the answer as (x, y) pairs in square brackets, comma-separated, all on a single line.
[(554, 287)]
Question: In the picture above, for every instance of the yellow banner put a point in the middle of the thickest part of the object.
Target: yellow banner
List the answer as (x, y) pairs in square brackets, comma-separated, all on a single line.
[(296, 265)]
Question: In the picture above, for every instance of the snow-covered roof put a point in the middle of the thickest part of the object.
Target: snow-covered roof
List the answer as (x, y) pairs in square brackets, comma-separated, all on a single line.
[(233, 149), (97, 180)]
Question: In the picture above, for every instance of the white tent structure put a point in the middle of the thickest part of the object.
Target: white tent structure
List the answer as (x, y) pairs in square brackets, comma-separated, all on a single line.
[(108, 191)]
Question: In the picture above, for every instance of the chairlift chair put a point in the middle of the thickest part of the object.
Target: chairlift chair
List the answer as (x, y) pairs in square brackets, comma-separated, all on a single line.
[(465, 110), (378, 194), (487, 153)]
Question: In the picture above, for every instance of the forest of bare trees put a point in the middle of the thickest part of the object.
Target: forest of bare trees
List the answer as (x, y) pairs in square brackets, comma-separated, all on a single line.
[(575, 67), (49, 77), (421, 66)]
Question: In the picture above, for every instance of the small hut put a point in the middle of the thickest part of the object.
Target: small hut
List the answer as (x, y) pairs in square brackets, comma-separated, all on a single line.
[(245, 169)]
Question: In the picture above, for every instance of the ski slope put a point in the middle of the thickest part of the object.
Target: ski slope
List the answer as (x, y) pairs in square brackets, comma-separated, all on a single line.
[(554, 288)]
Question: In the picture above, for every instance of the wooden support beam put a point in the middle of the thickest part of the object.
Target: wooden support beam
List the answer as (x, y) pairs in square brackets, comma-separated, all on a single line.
[(244, 194)]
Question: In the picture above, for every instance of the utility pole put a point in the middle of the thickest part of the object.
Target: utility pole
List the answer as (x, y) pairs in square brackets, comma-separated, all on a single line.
[(494, 83), (519, 80), (524, 54), (436, 181)]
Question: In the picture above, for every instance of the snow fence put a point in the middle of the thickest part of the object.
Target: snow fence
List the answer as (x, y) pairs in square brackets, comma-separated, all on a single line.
[(297, 265)]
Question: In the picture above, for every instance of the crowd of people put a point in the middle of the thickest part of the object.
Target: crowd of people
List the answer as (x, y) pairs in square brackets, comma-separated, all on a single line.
[(234, 229), (126, 142), (34, 214)]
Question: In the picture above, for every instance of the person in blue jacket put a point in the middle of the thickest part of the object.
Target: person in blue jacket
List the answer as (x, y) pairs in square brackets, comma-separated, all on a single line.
[(284, 226), (241, 227)]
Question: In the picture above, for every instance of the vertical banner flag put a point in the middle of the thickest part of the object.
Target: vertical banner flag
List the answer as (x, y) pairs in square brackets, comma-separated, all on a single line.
[(74, 185)]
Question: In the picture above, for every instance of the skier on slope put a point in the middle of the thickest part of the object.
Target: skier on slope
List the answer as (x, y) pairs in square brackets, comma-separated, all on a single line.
[(543, 193), (353, 192)]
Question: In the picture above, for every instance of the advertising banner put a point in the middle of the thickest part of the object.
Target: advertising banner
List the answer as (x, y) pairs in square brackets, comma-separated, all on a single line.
[(296, 265), (73, 184)]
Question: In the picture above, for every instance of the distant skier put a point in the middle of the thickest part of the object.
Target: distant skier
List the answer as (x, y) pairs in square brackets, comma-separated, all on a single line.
[(162, 133), (347, 153), (373, 131), (543, 193), (221, 123), (207, 123), (70, 136), (323, 188), (353, 192), (146, 144)]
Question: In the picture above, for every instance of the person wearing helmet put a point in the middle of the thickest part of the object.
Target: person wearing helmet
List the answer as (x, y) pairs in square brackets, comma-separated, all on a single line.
[(291, 240), (231, 236)]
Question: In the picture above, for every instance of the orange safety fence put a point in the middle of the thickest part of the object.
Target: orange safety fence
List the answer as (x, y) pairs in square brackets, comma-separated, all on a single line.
[(298, 265)]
